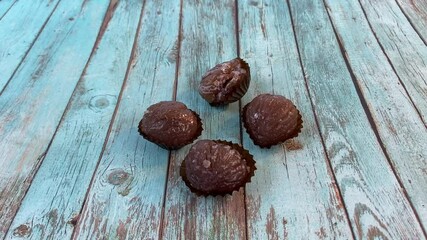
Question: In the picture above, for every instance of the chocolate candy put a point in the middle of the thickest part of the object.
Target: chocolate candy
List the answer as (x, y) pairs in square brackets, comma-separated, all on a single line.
[(217, 167), (170, 124), (271, 119), (225, 83)]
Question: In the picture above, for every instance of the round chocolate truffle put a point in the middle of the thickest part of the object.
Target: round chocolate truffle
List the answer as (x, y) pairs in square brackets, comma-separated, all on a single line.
[(227, 82), (271, 119), (216, 167), (170, 124)]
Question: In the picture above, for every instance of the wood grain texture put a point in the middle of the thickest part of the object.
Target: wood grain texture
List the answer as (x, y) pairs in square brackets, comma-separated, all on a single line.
[(416, 12), (52, 205), (400, 128), (404, 48), (5, 6), (19, 28), (126, 196), (32, 105), (208, 32), (376, 204), (293, 194)]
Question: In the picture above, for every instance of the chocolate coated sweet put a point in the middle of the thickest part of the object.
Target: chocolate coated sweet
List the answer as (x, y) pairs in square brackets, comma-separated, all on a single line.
[(271, 119), (227, 82), (217, 167), (170, 124)]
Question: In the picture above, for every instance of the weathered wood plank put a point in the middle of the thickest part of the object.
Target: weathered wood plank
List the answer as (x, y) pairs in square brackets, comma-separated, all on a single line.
[(400, 128), (293, 194), (209, 38), (51, 207), (19, 28), (404, 48), (5, 6), (375, 202), (416, 12), (126, 196), (33, 103)]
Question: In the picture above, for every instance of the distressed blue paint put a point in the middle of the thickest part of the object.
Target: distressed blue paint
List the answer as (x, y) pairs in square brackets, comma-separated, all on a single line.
[(18, 30), (416, 12), (293, 193), (374, 200), (126, 197), (400, 127), (208, 39), (58, 190), (33, 103), (5, 6), (404, 48)]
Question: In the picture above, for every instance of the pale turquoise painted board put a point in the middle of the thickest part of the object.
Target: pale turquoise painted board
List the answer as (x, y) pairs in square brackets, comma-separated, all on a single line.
[(375, 201), (416, 12), (51, 207), (293, 194), (208, 38), (400, 128), (403, 47), (126, 197), (33, 103), (128, 204), (5, 6), (19, 28)]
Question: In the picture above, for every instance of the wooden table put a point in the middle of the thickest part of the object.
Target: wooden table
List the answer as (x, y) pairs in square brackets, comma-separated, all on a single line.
[(77, 76)]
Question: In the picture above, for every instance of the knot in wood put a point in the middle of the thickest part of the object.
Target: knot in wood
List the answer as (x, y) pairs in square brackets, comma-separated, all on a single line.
[(100, 102), (22, 231), (118, 177)]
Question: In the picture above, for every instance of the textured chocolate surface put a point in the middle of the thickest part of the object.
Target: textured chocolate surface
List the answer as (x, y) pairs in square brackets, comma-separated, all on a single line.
[(170, 124), (225, 83), (271, 119), (216, 167)]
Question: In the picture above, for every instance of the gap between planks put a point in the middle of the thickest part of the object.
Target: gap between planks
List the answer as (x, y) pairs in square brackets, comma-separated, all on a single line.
[(237, 32), (411, 22), (29, 48), (7, 10), (175, 86)]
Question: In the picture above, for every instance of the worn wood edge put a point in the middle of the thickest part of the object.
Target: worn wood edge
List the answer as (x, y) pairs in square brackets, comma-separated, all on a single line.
[(175, 87), (74, 100), (241, 130), (6, 9), (415, 23)]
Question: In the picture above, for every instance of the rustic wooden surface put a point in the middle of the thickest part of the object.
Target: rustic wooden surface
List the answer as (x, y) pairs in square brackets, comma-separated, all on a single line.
[(416, 12), (5, 5), (298, 169), (77, 76), (207, 37)]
